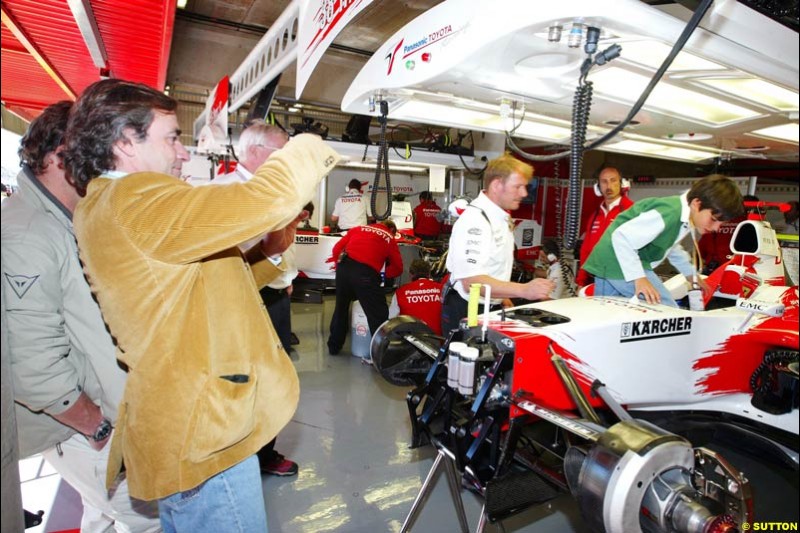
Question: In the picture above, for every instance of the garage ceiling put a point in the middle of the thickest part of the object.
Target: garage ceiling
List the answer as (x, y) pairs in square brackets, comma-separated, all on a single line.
[(187, 50), (212, 37), (45, 57)]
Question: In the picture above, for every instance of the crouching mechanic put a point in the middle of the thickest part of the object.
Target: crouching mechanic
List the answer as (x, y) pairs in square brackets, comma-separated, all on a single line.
[(209, 383), (67, 383), (420, 298), (482, 243)]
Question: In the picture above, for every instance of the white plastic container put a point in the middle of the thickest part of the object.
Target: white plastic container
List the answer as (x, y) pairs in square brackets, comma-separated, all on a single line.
[(696, 302), (360, 335), (466, 371), (453, 357)]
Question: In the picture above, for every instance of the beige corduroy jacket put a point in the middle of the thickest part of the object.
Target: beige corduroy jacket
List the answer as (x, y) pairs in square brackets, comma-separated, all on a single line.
[(209, 383)]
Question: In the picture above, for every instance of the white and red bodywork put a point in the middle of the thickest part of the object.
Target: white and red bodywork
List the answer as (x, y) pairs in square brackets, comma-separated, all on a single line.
[(653, 356), (661, 358)]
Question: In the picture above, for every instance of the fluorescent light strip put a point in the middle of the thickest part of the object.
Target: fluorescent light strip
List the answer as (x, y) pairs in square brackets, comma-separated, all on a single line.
[(652, 53), (629, 146), (756, 90), (397, 168), (459, 117), (617, 83), (786, 132)]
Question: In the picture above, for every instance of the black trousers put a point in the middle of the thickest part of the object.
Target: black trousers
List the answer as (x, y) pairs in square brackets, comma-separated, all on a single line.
[(454, 308), (356, 281), (278, 305)]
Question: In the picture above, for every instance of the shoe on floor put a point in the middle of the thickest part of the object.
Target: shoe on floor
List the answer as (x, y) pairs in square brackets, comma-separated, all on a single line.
[(295, 340), (279, 466)]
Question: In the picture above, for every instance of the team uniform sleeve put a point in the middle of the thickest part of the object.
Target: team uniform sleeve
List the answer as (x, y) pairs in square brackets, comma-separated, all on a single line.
[(394, 263), (340, 246)]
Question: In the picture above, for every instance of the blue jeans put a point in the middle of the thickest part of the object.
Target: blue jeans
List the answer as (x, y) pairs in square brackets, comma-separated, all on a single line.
[(620, 287), (230, 502)]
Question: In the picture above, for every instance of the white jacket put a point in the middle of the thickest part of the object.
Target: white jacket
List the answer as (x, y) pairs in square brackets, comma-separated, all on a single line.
[(58, 342)]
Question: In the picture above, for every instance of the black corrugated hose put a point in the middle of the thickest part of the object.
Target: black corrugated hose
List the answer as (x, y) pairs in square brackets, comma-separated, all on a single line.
[(383, 161), (580, 120)]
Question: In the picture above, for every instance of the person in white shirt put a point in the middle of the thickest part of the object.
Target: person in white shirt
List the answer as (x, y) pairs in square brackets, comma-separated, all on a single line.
[(550, 256), (256, 143), (350, 209), (482, 243)]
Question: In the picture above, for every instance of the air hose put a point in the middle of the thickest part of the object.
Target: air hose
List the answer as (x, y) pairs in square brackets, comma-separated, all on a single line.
[(383, 161), (567, 276), (580, 120)]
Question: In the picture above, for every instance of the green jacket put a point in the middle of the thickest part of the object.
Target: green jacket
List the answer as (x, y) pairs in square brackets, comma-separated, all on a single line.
[(641, 237)]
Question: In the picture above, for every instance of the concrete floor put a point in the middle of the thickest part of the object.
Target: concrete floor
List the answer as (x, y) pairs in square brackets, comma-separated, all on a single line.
[(350, 438)]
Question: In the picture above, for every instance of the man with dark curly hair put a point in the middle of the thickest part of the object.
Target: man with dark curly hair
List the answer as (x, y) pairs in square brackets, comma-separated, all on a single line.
[(209, 382)]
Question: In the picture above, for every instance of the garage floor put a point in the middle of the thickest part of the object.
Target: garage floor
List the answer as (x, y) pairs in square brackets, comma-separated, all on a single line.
[(350, 437)]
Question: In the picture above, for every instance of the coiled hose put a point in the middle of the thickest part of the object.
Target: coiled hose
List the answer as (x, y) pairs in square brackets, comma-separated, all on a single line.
[(580, 120), (383, 161)]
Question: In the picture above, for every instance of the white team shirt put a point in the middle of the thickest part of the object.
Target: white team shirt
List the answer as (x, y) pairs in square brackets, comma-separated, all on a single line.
[(478, 246), (351, 208)]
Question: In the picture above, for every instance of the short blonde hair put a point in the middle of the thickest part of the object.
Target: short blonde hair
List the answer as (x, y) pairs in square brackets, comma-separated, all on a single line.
[(502, 167)]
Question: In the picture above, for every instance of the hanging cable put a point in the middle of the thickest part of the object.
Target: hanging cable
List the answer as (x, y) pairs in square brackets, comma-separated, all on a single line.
[(608, 55), (580, 120), (383, 161), (473, 171), (567, 275)]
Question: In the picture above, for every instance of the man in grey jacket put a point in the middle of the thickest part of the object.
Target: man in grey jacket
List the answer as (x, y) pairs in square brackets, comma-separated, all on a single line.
[(67, 382)]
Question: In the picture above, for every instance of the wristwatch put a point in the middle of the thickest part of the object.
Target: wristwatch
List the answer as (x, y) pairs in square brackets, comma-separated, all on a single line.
[(102, 432)]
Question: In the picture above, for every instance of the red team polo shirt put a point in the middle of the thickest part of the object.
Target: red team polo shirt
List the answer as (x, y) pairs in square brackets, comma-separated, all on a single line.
[(422, 299), (425, 223), (372, 245)]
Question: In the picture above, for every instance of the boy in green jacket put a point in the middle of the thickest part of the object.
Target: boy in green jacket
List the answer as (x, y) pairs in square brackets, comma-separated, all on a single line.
[(642, 236)]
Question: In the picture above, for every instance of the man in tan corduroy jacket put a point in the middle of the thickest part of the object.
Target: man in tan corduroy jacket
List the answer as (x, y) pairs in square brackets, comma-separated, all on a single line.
[(203, 394)]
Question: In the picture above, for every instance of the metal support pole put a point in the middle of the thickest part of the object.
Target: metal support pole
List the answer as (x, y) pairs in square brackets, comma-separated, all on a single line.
[(453, 483)]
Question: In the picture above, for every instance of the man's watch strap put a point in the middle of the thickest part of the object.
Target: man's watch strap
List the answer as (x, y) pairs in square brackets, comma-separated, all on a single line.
[(102, 432)]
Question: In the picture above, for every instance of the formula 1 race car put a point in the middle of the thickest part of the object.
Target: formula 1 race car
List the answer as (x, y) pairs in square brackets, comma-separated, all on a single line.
[(600, 397)]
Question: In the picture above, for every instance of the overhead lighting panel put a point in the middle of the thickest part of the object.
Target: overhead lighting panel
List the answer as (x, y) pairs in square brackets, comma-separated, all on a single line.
[(665, 151), (652, 53), (756, 90), (461, 117), (392, 166), (617, 83), (786, 132)]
